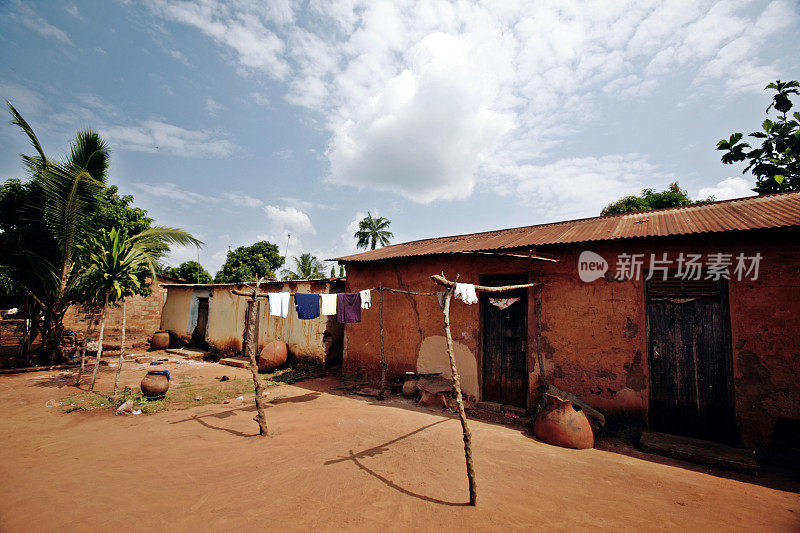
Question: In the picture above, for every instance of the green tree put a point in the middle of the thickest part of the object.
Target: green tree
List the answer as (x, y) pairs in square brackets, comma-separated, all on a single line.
[(58, 201), (43, 223), (333, 271), (191, 271), (776, 162), (247, 263), (115, 263), (307, 267), (372, 232), (651, 199)]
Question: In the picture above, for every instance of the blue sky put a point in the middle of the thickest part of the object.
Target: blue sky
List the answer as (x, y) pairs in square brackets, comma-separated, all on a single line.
[(246, 120)]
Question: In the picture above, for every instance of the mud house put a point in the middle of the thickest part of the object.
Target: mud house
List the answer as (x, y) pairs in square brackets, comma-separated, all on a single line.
[(143, 317), (681, 320), (212, 314)]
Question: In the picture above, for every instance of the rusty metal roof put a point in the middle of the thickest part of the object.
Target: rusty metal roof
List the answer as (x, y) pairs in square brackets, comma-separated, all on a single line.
[(754, 212)]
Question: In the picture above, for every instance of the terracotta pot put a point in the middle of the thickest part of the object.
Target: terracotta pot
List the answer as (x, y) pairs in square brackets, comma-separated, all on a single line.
[(160, 340), (410, 387), (561, 425), (272, 356), (155, 384)]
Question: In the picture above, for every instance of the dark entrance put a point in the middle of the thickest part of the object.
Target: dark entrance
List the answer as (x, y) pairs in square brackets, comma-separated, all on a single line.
[(690, 367), (200, 330), (505, 367)]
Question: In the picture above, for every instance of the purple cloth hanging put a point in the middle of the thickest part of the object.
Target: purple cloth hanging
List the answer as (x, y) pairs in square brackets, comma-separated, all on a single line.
[(348, 307)]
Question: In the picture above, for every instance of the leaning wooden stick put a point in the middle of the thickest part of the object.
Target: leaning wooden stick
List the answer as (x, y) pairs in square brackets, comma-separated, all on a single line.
[(251, 345), (462, 415)]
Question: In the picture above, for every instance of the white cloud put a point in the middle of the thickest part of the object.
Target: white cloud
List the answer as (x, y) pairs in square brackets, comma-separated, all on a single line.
[(289, 218), (237, 25), (426, 100), (30, 19), (212, 106), (579, 187), (430, 99), (260, 99), (154, 136), (23, 99), (171, 191), (728, 188), (73, 10), (177, 54), (239, 198)]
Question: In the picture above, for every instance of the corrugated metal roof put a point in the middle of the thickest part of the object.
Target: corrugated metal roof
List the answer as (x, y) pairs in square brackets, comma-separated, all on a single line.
[(754, 212)]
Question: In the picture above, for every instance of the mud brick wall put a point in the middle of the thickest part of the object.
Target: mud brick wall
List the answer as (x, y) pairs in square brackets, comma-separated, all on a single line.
[(595, 335), (143, 319)]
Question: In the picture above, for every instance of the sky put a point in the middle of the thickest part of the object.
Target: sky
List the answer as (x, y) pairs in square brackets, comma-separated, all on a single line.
[(245, 120)]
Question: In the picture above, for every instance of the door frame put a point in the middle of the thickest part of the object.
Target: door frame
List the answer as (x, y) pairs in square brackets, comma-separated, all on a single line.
[(514, 278), (724, 303)]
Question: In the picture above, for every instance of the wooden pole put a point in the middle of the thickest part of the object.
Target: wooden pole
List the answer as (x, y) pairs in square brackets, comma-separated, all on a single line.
[(382, 392), (250, 347), (462, 415), (99, 343), (542, 378), (121, 349)]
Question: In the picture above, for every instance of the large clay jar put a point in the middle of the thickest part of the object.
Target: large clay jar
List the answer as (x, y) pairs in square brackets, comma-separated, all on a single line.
[(155, 384), (272, 356), (160, 340), (561, 425)]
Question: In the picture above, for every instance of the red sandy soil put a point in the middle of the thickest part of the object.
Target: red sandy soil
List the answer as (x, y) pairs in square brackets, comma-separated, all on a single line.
[(335, 462)]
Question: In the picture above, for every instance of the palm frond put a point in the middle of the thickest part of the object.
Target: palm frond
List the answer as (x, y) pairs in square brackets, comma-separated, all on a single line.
[(26, 128), (90, 153)]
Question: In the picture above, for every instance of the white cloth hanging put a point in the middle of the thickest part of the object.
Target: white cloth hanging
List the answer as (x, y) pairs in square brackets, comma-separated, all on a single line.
[(366, 299), (503, 303), (466, 293), (328, 304), (279, 304)]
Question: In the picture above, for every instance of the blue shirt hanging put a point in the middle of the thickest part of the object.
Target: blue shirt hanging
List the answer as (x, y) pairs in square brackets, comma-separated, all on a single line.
[(307, 305)]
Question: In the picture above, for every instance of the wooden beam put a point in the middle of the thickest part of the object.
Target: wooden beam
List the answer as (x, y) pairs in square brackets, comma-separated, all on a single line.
[(444, 282)]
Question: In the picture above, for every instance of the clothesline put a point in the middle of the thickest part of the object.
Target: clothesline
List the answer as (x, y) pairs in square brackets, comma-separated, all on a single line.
[(400, 291)]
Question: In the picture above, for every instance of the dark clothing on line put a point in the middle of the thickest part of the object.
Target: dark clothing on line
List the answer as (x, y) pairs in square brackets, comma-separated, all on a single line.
[(307, 305), (348, 307)]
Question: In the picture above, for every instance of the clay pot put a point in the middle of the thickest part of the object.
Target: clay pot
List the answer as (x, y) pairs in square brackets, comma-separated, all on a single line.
[(410, 387), (160, 340), (155, 384), (560, 424), (272, 356)]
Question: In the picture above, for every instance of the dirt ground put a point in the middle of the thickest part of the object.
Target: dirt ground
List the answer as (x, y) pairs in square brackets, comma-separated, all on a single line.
[(336, 462)]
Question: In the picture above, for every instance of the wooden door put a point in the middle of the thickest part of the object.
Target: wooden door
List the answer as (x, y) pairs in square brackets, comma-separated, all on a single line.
[(690, 368), (505, 366), (202, 317)]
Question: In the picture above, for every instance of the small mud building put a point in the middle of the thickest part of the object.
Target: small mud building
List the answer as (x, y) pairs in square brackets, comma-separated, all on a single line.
[(682, 320)]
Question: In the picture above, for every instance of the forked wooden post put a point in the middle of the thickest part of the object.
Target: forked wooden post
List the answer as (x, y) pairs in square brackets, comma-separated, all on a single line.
[(250, 347), (462, 415)]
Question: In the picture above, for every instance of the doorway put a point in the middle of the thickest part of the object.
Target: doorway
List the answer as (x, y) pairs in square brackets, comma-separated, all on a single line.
[(201, 329), (691, 391), (505, 359)]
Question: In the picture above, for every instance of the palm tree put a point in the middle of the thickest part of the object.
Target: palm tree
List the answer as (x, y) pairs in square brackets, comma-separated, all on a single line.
[(115, 262), (307, 267), (373, 231), (63, 195)]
